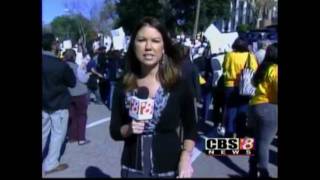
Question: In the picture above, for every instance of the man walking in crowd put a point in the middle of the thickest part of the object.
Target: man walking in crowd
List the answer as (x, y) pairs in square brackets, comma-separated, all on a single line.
[(57, 76), (95, 77)]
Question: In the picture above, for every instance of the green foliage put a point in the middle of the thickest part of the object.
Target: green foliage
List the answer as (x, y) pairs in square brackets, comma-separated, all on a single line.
[(64, 27), (72, 27), (178, 15), (185, 12), (210, 10), (103, 18), (131, 11), (242, 28), (46, 28)]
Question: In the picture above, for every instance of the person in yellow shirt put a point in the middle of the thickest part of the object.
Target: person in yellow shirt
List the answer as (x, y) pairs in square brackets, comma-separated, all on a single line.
[(263, 111), (236, 106)]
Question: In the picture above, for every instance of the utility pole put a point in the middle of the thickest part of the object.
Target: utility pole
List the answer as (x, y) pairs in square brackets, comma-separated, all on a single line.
[(195, 28)]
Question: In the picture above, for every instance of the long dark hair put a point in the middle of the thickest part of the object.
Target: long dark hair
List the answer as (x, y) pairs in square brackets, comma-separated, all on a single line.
[(270, 58), (169, 72), (183, 51), (240, 45)]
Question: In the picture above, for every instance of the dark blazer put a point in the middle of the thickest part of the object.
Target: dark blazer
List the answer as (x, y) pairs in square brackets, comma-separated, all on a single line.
[(166, 144), (57, 76)]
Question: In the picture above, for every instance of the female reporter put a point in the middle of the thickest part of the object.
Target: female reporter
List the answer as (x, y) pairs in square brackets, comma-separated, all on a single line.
[(152, 148), (263, 111)]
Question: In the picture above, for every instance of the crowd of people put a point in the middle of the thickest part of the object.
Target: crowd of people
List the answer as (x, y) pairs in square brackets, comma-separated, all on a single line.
[(189, 84)]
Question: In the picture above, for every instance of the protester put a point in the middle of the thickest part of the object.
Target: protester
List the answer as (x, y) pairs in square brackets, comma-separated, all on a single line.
[(96, 45), (215, 76), (152, 63), (207, 88), (57, 76), (263, 111), (93, 82), (115, 69), (101, 68), (79, 101), (236, 106), (190, 71)]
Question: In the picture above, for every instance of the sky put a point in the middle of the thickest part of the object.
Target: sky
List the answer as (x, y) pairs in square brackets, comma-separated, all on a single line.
[(54, 8)]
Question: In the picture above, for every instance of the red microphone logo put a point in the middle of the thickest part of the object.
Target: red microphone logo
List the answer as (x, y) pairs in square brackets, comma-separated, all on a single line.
[(141, 109)]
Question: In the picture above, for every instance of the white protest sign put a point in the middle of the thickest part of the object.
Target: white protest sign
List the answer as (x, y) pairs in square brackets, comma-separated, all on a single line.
[(118, 38), (214, 37), (227, 40), (67, 44), (220, 42)]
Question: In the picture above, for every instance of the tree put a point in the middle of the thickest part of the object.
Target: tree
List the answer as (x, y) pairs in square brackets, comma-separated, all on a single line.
[(214, 10), (184, 14), (184, 11), (46, 28), (76, 8), (131, 11), (68, 27), (177, 15), (103, 18)]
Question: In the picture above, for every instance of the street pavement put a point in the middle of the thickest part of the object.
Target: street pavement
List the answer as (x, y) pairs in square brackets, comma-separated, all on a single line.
[(101, 157)]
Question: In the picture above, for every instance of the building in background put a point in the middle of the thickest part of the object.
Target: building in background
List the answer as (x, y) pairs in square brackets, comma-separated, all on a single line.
[(257, 13)]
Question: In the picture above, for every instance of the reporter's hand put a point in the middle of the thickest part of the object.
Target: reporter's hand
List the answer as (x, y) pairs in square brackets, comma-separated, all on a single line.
[(137, 126)]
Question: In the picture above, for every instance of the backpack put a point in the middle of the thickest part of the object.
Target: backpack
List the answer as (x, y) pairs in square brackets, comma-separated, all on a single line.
[(245, 86)]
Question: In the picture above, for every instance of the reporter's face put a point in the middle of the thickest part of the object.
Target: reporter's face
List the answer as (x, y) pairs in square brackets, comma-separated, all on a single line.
[(148, 46)]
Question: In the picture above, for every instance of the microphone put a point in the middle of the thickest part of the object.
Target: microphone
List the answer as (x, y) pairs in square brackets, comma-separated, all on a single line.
[(143, 92), (141, 107)]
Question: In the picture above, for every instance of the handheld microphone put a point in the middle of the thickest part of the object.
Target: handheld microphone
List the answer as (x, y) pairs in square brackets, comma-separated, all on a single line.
[(141, 107)]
